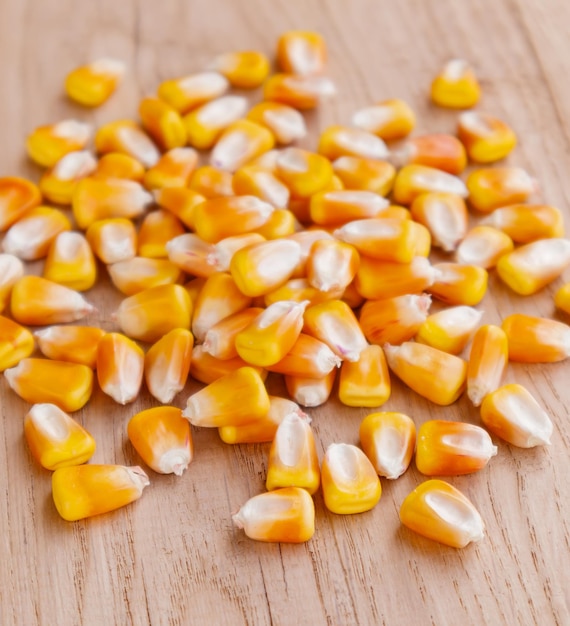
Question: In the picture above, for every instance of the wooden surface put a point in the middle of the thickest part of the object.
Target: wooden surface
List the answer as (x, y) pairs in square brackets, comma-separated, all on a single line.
[(174, 557)]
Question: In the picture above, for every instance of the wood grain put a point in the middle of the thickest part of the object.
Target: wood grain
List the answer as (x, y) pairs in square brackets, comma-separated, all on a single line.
[(173, 557)]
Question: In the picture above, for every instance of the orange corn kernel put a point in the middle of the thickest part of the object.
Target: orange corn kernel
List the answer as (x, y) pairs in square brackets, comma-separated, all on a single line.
[(245, 69), (281, 223), (433, 374), (206, 369), (174, 169), (96, 199), (156, 230), (224, 250), (70, 262), (17, 197), (163, 123), (167, 364), (531, 267), (76, 344), (388, 440), (299, 290), (119, 165), (491, 188), (561, 297), (11, 270), (525, 223), (301, 52), (299, 92), (127, 137), (31, 237), (413, 180), (205, 124), (87, 490), (46, 145), (152, 313), (349, 481), (113, 240), (332, 265), (486, 138), (256, 181), (120, 365), (536, 339), (58, 183), (67, 385), (192, 254), (444, 215), (456, 86), (331, 208), (512, 413), (459, 284), (162, 438), (487, 363), (335, 324), (36, 301), (306, 239), (366, 382), (338, 141), (219, 340), (365, 174), (234, 399), (390, 119), (16, 343), (239, 143), (180, 201), (212, 183), (308, 358), (483, 246), (450, 330), (55, 439), (285, 122), (284, 515), (452, 448), (93, 84), (310, 392), (380, 279), (394, 320), (293, 459), (141, 273), (444, 152), (189, 92), (440, 512), (303, 172)]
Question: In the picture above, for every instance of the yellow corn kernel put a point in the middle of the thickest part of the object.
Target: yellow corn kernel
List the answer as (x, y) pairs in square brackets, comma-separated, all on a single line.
[(127, 137), (293, 460), (67, 385), (440, 512), (366, 382), (394, 320), (512, 413), (525, 223), (119, 165), (491, 188), (174, 169), (11, 270), (167, 364), (141, 273), (189, 92), (483, 246), (536, 339), (335, 324), (224, 250), (31, 237), (486, 138), (301, 52), (433, 374), (487, 363), (156, 230), (561, 297), (163, 123), (112, 240), (93, 84), (444, 215), (285, 122), (205, 124), (331, 208), (219, 340), (306, 239), (389, 119), (36, 301), (332, 265), (362, 174), (422, 234), (303, 172), (76, 344), (272, 334), (349, 481), (16, 343), (46, 145), (17, 197), (338, 141), (211, 182), (191, 254), (235, 399), (308, 358), (452, 448), (70, 262), (180, 201), (120, 365), (281, 223), (206, 369), (300, 92), (260, 268), (310, 392), (257, 181), (58, 183), (381, 279), (162, 438), (456, 86), (245, 69), (55, 439), (239, 143), (388, 440), (449, 330), (413, 180), (459, 284), (97, 199), (531, 267), (281, 516), (444, 152), (150, 314), (299, 290), (87, 490)]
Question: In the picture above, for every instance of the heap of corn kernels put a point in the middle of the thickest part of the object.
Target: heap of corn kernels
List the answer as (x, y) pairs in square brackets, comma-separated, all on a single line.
[(299, 266)]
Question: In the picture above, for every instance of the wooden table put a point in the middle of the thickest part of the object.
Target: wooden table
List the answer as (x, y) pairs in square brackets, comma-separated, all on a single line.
[(174, 557)]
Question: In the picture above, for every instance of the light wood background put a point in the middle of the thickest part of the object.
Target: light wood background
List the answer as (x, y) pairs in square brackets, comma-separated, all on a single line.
[(173, 557)]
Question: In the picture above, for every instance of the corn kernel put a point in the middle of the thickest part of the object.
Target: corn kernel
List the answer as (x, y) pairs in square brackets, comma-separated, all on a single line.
[(191, 254), (180, 201), (58, 183), (224, 250), (390, 119), (17, 197), (331, 208), (487, 363), (157, 229), (163, 123), (16, 343), (459, 284), (76, 344), (536, 339), (189, 92), (301, 52), (174, 169), (365, 174), (70, 262), (366, 382), (303, 172), (299, 290), (332, 265), (205, 125), (285, 122), (46, 145), (525, 223), (306, 239), (485, 137), (11, 270), (119, 165), (281, 223), (239, 143), (212, 183), (219, 340), (444, 152), (120, 365), (338, 141), (245, 69), (256, 181), (456, 86), (483, 246), (308, 358), (491, 188), (444, 215), (206, 369), (413, 180), (451, 329), (93, 84), (310, 392), (127, 137), (299, 92), (112, 240), (141, 273), (561, 297)]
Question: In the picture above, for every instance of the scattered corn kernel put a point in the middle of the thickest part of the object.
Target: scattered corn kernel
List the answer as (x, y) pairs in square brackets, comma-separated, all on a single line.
[(456, 86), (219, 340), (485, 137), (299, 290), (46, 145), (120, 365), (157, 229), (536, 339), (17, 197), (189, 92), (141, 273), (224, 250), (487, 363), (449, 330), (127, 137), (11, 270), (459, 284), (444, 152), (239, 143), (76, 344), (308, 358), (205, 124), (180, 201), (525, 223), (299, 92), (163, 123), (332, 265), (113, 240), (245, 69), (257, 181), (174, 169), (212, 183), (365, 174), (285, 122), (483, 246), (303, 172), (366, 382), (444, 215), (58, 183), (94, 83), (338, 141), (413, 180), (192, 254), (491, 188), (301, 52), (310, 392), (206, 369), (119, 165), (390, 119), (16, 343), (70, 262), (332, 208)]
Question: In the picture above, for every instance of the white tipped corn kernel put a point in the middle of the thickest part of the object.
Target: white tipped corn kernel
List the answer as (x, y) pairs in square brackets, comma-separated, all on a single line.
[(239, 143), (70, 262), (127, 137), (205, 124), (487, 363), (189, 92), (285, 122), (77, 344), (11, 270), (94, 83), (483, 246), (449, 330), (338, 141), (120, 365), (456, 86), (390, 119), (59, 182), (113, 240), (310, 392), (413, 180), (139, 273), (46, 145), (366, 382)]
